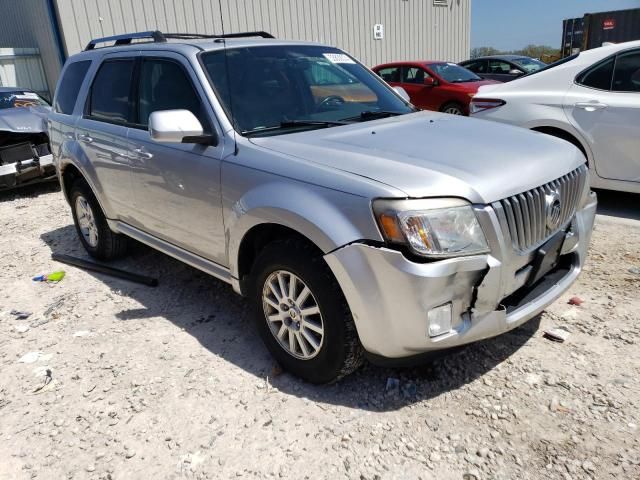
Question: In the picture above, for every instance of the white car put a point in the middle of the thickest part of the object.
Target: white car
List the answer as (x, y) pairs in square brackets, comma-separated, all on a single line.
[(591, 100)]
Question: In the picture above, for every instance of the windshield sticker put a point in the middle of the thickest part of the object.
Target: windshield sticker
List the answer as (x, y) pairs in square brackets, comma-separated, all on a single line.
[(337, 58), (27, 95)]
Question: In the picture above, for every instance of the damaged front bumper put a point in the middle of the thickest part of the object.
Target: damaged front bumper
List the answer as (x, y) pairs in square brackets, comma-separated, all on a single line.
[(390, 296), (24, 164)]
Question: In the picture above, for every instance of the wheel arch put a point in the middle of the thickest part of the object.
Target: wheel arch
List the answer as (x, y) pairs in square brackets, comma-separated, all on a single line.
[(323, 218), (567, 135)]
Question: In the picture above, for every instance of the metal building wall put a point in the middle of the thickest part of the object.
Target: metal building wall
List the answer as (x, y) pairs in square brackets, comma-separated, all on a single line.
[(29, 24), (413, 29)]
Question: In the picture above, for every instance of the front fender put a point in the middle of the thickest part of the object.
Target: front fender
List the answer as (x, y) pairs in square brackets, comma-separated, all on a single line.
[(328, 218)]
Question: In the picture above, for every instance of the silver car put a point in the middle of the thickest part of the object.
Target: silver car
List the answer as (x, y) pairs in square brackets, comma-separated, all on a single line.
[(356, 225)]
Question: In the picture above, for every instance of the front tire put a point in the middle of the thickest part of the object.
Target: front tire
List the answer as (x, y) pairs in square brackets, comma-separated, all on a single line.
[(91, 224), (302, 315), (452, 108)]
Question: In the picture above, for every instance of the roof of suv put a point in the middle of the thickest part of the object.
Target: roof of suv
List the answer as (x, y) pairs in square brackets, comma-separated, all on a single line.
[(191, 45)]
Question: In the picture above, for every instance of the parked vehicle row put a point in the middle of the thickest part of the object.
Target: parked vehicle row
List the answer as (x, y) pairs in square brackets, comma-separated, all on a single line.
[(355, 224), (439, 86), (591, 99)]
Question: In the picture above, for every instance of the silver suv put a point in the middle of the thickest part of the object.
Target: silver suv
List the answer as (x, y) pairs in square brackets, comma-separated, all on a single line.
[(355, 224)]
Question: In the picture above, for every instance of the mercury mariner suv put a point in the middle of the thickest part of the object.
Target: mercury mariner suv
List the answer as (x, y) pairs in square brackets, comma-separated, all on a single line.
[(356, 225)]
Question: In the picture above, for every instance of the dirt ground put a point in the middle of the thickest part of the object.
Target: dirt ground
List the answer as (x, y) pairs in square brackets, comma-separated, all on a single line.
[(111, 380)]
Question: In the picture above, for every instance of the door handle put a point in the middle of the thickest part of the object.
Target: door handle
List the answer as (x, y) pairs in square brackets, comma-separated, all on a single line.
[(83, 137), (142, 153), (591, 106)]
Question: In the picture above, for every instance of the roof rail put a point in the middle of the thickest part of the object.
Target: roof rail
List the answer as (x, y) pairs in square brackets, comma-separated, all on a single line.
[(158, 36), (126, 38), (187, 36)]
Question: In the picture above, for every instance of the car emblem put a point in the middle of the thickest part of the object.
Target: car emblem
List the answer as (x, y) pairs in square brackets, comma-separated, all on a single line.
[(553, 208)]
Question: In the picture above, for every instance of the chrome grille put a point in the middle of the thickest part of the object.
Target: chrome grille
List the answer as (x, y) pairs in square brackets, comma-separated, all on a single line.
[(524, 215)]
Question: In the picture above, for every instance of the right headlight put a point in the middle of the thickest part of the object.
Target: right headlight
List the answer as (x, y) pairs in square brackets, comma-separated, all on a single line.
[(436, 227)]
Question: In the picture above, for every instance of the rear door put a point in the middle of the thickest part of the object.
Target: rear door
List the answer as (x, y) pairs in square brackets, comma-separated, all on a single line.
[(101, 132), (177, 185), (604, 104)]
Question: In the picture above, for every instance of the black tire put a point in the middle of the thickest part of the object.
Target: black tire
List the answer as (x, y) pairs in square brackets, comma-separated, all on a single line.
[(449, 107), (109, 245), (340, 352)]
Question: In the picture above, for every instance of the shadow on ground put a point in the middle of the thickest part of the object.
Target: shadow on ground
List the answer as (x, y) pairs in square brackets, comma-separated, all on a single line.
[(619, 204), (29, 191), (221, 321)]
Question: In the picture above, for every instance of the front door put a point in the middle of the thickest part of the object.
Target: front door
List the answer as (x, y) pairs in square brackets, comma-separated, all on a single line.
[(604, 104), (176, 185), (422, 96)]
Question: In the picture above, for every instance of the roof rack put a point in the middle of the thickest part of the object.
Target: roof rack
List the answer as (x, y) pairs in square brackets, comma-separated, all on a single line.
[(159, 37)]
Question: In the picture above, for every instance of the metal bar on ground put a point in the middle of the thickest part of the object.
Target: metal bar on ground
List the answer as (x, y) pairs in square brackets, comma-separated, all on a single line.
[(96, 267)]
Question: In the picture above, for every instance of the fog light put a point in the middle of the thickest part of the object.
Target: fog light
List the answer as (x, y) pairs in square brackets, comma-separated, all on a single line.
[(439, 320)]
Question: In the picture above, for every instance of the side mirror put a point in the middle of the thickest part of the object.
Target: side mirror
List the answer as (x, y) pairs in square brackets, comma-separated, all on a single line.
[(515, 71), (403, 93), (177, 126), (430, 82)]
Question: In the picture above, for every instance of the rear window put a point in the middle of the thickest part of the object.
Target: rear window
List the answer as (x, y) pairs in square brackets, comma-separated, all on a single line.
[(110, 92), (69, 86)]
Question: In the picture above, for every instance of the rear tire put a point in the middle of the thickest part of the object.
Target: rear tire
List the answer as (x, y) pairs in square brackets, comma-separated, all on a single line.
[(91, 224), (307, 327), (452, 108)]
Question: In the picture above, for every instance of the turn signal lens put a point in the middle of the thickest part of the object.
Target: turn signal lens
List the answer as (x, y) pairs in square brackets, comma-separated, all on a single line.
[(390, 227)]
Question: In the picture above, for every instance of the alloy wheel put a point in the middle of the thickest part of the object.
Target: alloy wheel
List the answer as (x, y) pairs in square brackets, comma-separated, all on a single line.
[(86, 221), (293, 314)]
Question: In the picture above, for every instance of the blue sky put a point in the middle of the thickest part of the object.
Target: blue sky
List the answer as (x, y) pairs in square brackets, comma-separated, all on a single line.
[(512, 24)]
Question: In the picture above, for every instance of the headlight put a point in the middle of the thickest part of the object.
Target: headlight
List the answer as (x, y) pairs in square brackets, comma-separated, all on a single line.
[(437, 227)]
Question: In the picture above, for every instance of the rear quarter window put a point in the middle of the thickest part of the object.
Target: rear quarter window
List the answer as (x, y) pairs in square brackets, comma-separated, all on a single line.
[(69, 86)]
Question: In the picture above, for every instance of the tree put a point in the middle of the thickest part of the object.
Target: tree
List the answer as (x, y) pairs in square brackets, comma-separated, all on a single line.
[(483, 52)]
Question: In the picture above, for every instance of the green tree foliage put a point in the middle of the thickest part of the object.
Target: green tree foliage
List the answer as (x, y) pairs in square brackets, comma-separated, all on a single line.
[(543, 52)]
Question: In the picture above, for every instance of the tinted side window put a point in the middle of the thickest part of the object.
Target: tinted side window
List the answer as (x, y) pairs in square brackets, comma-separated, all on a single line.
[(165, 86), (479, 66), (413, 75), (499, 66), (598, 77), (391, 74), (626, 77), (110, 92), (69, 86)]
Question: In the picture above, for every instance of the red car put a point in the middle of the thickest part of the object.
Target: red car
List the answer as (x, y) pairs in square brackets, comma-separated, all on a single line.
[(440, 86)]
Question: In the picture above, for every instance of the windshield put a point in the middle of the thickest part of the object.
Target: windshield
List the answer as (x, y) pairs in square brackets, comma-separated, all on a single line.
[(279, 89), (529, 64), (453, 73), (21, 98)]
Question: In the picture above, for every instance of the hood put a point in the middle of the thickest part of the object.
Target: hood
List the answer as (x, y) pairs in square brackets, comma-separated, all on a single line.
[(24, 120), (432, 154)]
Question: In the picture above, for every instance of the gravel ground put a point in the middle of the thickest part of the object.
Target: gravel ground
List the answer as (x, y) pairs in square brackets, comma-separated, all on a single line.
[(107, 379)]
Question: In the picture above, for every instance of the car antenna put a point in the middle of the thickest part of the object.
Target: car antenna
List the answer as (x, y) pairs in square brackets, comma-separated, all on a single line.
[(226, 67)]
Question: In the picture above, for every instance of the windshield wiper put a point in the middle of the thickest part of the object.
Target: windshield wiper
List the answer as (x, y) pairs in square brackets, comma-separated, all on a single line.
[(295, 124), (373, 114)]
